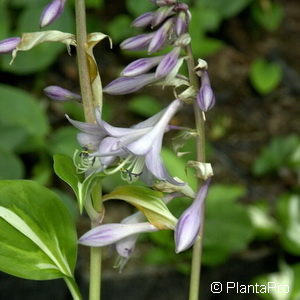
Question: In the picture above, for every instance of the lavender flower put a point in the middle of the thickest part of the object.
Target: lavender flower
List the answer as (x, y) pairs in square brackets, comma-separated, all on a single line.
[(181, 23), (164, 2), (160, 36), (141, 66), (8, 45), (108, 234), (143, 20), (138, 147), (139, 42), (127, 85), (51, 12), (189, 223), (60, 94), (161, 14), (167, 63), (205, 97)]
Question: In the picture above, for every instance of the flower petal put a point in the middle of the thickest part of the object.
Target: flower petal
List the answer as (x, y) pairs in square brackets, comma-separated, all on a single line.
[(167, 63), (143, 20), (58, 93), (107, 234), (88, 128), (51, 12), (8, 45), (138, 42)]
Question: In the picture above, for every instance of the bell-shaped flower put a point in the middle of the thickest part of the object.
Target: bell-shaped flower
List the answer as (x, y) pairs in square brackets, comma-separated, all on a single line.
[(143, 20), (60, 94), (108, 234), (139, 146), (205, 97), (189, 223), (141, 66), (139, 42), (51, 12), (8, 45), (126, 85), (160, 36), (168, 63)]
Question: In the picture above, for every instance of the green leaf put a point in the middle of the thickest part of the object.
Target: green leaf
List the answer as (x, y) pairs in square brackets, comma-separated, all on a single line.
[(12, 137), (227, 8), (138, 7), (280, 152), (145, 106), (11, 167), (42, 56), (119, 28), (228, 228), (288, 212), (176, 167), (270, 18), (64, 168), (37, 237), (265, 76), (20, 109), (63, 141), (4, 21), (148, 201)]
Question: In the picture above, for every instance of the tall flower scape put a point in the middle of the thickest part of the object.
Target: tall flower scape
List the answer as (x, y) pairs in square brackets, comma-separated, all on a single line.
[(134, 152)]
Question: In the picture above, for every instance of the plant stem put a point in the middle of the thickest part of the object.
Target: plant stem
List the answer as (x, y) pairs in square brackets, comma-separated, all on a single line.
[(73, 288), (199, 120), (87, 100)]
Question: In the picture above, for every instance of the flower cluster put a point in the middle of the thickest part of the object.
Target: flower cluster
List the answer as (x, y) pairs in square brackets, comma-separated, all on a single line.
[(169, 25)]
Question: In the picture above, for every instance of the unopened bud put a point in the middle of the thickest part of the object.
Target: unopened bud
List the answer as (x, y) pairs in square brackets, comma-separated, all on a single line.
[(205, 97), (8, 45), (51, 12), (60, 94)]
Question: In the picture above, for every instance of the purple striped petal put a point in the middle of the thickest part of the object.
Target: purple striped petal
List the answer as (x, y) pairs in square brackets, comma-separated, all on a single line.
[(161, 14), (168, 63), (108, 234), (8, 45), (60, 94), (189, 223), (51, 12), (139, 42), (205, 97), (181, 24), (143, 20), (141, 66), (160, 36), (127, 85)]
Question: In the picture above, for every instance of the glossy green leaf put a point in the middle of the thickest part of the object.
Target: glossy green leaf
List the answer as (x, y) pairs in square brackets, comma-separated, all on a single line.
[(138, 7), (288, 212), (228, 228), (269, 18), (145, 106), (63, 141), (11, 167), (148, 201), (265, 76), (18, 108), (37, 236), (43, 55)]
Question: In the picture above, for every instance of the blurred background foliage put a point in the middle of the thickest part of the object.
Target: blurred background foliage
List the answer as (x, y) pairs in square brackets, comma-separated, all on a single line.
[(253, 206)]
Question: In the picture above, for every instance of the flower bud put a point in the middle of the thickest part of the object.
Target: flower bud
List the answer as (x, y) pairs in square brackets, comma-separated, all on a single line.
[(108, 234), (181, 23), (164, 2), (8, 45), (141, 66), (127, 85), (167, 63), (139, 42), (51, 12), (143, 20), (160, 36), (205, 97), (189, 223), (60, 94), (161, 14)]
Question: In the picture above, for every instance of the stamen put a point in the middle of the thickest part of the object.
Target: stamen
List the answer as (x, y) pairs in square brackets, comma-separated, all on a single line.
[(83, 161)]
